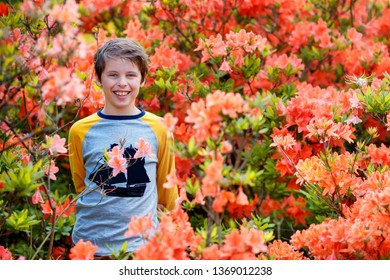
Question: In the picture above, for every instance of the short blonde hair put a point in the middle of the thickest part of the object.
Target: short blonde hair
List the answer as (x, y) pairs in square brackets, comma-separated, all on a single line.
[(121, 48)]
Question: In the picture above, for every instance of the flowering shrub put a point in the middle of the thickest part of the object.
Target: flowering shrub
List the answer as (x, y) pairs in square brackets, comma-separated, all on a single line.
[(280, 112)]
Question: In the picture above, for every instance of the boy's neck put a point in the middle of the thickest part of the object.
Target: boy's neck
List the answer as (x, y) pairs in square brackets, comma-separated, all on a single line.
[(132, 111)]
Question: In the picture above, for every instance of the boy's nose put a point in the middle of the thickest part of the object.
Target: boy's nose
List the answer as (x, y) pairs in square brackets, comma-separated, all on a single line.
[(122, 82)]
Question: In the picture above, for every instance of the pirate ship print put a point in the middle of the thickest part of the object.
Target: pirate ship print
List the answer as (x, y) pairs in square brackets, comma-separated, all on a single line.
[(129, 184)]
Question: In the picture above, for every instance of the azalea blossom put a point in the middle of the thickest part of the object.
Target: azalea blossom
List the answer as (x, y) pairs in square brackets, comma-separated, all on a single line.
[(116, 151), (355, 102), (359, 81), (67, 13), (83, 251), (52, 170), (225, 66), (173, 181), (286, 142), (140, 226), (37, 197), (326, 129), (354, 120), (210, 182), (56, 144), (143, 149), (169, 121), (118, 164), (241, 198), (5, 254), (226, 147), (64, 210)]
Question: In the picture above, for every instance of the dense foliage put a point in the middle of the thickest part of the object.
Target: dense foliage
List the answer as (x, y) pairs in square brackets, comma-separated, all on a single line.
[(280, 111)]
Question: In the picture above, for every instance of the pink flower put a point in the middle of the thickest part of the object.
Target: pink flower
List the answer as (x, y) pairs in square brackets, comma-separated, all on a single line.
[(285, 142), (37, 197), (66, 13), (116, 151), (226, 147), (173, 181), (169, 121), (56, 144), (52, 170), (144, 149), (118, 164), (225, 66), (241, 198), (5, 254)]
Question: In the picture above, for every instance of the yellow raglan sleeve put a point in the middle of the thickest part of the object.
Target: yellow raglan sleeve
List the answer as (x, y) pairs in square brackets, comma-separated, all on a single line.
[(75, 142), (166, 165)]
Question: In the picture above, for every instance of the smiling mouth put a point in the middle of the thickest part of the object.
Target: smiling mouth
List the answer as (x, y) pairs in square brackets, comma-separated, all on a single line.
[(121, 93)]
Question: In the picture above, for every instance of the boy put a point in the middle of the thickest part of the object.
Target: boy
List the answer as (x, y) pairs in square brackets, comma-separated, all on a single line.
[(120, 156)]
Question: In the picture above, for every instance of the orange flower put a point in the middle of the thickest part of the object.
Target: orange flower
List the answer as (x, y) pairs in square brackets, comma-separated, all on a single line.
[(222, 199), (60, 209), (83, 251), (172, 240), (279, 250), (254, 239), (210, 183), (140, 226), (379, 155), (234, 242), (212, 253), (295, 209), (325, 129)]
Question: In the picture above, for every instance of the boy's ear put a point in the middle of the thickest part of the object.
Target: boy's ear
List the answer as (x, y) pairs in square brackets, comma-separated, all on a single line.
[(98, 82)]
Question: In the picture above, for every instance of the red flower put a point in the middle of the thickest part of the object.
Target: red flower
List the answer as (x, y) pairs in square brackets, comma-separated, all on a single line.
[(4, 9)]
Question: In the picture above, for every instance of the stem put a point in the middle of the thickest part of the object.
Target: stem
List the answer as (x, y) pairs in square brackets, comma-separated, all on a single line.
[(337, 187), (52, 231)]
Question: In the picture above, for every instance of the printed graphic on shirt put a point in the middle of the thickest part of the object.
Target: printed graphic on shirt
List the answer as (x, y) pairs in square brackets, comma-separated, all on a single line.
[(129, 184)]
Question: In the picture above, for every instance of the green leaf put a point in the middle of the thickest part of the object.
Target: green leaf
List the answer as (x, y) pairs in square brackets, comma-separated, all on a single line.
[(21, 220)]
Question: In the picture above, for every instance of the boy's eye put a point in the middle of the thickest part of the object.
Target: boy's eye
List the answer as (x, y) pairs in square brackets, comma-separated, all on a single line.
[(112, 75)]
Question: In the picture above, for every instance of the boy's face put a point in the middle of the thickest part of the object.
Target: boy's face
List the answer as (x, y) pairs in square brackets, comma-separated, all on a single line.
[(121, 81)]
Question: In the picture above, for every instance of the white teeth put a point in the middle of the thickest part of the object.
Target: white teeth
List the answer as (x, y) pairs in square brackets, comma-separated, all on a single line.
[(121, 93)]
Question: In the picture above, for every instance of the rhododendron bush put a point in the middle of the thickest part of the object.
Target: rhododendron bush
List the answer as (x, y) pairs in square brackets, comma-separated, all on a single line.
[(280, 112)]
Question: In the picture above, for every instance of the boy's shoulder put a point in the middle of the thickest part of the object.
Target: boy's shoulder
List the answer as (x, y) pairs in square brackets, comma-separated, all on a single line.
[(151, 116), (85, 122), (154, 121)]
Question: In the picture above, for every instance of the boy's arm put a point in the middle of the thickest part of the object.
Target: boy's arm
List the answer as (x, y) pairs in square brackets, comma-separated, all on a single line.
[(76, 160), (166, 164)]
